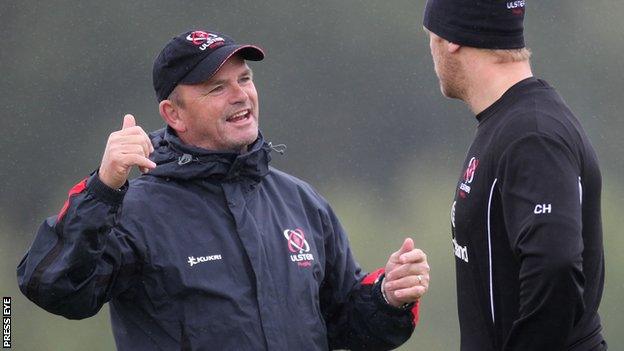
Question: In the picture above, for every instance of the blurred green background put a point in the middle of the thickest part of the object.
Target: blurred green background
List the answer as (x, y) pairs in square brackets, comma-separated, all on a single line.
[(347, 85)]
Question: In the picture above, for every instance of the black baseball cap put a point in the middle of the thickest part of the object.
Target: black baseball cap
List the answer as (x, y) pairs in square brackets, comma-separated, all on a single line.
[(194, 57), (487, 24)]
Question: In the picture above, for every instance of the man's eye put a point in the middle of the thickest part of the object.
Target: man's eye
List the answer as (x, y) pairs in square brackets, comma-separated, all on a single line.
[(245, 79), (217, 89)]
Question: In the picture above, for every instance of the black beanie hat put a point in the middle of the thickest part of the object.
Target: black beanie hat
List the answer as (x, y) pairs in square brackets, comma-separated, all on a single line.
[(487, 24)]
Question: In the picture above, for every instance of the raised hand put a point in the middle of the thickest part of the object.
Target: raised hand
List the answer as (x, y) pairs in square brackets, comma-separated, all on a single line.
[(407, 275), (125, 148)]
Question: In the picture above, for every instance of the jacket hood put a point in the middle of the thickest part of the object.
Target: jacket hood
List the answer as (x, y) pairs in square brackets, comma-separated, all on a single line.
[(177, 160)]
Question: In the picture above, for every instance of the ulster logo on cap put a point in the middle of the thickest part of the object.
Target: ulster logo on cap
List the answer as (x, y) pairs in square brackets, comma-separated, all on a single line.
[(204, 40)]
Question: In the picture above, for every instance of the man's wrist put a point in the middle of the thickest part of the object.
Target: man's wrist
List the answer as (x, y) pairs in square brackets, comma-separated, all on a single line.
[(381, 279), (104, 192), (383, 291)]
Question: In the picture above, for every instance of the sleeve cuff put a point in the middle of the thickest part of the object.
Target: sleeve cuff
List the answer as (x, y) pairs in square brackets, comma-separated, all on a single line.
[(382, 302), (104, 192)]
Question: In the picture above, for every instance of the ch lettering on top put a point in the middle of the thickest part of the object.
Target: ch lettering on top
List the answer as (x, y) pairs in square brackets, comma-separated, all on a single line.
[(542, 209)]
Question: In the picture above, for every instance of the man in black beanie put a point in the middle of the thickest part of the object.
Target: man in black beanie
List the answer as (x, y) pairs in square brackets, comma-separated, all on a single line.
[(526, 222)]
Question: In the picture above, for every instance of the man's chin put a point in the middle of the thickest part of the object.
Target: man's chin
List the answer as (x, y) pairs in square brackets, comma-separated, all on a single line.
[(243, 141), (449, 93)]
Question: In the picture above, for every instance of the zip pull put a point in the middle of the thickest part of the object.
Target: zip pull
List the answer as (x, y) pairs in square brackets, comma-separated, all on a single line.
[(279, 148), (184, 159)]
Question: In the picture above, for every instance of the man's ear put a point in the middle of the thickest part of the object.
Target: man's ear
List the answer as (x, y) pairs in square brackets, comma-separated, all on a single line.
[(453, 48), (170, 113)]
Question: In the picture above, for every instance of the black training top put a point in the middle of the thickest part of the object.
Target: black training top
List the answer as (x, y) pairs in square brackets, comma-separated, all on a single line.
[(526, 227)]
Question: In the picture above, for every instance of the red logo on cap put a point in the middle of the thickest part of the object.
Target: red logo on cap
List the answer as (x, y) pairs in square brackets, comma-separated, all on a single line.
[(205, 40)]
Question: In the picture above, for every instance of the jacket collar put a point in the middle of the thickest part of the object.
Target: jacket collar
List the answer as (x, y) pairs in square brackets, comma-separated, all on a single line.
[(174, 159)]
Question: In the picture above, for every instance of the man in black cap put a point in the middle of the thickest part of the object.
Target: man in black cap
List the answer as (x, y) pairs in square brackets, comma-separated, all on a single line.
[(212, 249), (526, 227)]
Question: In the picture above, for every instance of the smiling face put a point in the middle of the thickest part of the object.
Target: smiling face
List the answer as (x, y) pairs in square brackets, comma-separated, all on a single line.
[(220, 114)]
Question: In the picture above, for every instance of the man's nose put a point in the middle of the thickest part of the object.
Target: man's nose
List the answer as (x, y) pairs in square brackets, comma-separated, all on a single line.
[(238, 94)]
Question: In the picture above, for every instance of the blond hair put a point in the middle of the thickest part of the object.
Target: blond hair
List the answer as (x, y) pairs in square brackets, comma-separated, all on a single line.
[(510, 55)]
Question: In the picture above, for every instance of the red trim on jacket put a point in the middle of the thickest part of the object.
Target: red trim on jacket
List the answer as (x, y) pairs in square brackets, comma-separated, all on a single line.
[(76, 189), (415, 312), (372, 276)]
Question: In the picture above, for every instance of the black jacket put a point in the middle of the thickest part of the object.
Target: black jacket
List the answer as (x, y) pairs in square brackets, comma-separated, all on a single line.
[(210, 251), (527, 232)]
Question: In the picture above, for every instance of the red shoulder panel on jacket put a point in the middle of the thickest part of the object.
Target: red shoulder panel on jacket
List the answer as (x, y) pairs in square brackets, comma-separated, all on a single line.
[(76, 189)]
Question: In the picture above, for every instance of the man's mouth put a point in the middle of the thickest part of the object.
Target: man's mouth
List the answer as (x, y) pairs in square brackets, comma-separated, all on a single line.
[(239, 116)]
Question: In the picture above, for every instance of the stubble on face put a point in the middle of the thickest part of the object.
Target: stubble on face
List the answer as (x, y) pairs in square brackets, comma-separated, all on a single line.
[(449, 69)]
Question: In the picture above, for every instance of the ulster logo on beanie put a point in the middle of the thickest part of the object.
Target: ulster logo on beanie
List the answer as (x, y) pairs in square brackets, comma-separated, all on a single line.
[(487, 24), (516, 7)]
